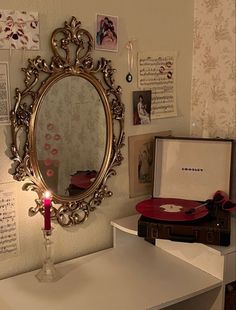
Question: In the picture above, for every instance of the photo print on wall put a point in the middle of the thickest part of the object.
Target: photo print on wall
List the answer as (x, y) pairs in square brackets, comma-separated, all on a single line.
[(142, 107), (19, 30), (106, 33), (141, 161)]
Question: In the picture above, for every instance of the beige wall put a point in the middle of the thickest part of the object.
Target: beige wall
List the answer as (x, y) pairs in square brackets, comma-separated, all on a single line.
[(157, 25)]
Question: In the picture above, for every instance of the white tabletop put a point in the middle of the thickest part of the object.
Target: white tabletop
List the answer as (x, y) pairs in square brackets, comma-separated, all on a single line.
[(134, 277)]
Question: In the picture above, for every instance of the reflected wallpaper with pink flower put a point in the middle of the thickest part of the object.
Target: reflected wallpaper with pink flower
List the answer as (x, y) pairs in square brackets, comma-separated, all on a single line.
[(70, 132)]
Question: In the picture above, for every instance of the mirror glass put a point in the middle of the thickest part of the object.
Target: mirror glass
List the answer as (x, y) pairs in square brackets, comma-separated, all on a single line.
[(70, 136)]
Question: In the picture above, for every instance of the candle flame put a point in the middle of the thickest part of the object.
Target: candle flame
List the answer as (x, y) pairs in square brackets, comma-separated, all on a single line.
[(47, 194)]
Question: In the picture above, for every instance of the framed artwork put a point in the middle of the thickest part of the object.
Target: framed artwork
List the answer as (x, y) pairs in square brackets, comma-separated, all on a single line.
[(141, 158), (106, 33), (142, 107)]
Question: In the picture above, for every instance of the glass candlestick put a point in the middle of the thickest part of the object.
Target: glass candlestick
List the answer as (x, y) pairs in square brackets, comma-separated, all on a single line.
[(48, 272)]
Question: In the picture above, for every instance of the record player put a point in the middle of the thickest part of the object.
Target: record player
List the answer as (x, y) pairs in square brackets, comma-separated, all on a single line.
[(191, 190)]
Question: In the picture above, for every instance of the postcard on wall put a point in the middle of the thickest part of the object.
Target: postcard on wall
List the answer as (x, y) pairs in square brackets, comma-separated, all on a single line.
[(106, 33), (9, 236), (19, 30), (141, 160), (157, 71), (4, 94)]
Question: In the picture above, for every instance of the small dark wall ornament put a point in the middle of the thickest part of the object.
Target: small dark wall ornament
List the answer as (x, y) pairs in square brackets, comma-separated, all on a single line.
[(130, 61), (129, 77)]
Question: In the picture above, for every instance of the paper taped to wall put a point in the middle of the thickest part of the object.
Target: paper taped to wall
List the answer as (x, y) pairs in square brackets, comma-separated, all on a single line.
[(4, 94), (157, 71), (9, 237)]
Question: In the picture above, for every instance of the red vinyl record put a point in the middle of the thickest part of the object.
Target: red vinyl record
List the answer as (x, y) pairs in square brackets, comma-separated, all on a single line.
[(172, 209)]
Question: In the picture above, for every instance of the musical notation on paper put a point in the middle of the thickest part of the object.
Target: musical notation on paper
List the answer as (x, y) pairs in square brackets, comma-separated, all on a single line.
[(157, 71), (4, 94), (8, 221)]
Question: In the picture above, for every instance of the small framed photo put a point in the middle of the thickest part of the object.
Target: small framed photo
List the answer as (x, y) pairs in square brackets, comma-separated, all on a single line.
[(142, 107), (106, 33), (141, 159)]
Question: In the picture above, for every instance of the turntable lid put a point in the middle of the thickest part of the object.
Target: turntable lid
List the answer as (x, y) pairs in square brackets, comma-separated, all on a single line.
[(191, 168)]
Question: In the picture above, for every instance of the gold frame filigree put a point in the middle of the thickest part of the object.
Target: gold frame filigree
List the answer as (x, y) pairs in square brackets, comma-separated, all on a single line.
[(72, 47)]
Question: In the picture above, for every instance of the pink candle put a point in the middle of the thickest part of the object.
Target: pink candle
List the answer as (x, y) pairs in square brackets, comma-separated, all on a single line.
[(47, 211)]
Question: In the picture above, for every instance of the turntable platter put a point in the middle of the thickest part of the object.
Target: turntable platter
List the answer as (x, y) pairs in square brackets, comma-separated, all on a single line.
[(172, 209)]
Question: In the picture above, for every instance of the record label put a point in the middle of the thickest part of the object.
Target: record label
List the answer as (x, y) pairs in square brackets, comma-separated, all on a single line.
[(172, 209)]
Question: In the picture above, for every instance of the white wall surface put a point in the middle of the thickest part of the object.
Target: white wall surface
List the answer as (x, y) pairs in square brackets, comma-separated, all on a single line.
[(157, 25)]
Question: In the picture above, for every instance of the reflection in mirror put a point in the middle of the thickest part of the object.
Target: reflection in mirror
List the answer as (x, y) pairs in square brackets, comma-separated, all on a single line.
[(70, 136), (72, 119)]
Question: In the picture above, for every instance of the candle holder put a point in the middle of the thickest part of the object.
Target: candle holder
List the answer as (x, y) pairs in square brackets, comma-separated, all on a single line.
[(48, 272)]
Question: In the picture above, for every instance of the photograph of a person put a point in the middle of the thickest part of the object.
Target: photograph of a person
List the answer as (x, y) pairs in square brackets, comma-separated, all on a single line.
[(141, 159), (106, 33), (141, 107), (145, 162)]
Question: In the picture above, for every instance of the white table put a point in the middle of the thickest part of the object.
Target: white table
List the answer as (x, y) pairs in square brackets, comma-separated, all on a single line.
[(134, 275), (218, 261)]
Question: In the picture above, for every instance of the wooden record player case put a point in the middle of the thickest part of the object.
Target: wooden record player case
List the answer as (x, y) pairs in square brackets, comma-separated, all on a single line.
[(190, 169)]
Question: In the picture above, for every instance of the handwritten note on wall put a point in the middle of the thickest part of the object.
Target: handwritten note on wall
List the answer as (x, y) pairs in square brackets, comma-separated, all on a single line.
[(9, 241), (157, 71)]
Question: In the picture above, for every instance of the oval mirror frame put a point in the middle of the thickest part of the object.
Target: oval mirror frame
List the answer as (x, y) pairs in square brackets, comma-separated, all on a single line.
[(72, 47)]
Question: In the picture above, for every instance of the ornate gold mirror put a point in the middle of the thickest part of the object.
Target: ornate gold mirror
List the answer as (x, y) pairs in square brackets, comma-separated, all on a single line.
[(67, 127)]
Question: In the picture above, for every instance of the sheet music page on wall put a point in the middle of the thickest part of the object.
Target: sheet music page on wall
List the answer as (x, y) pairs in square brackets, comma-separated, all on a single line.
[(9, 236), (157, 71), (4, 94)]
